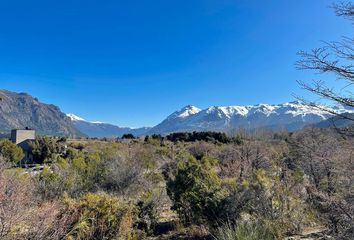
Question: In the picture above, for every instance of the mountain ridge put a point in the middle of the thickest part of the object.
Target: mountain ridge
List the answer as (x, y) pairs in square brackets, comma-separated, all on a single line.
[(20, 110), (290, 115)]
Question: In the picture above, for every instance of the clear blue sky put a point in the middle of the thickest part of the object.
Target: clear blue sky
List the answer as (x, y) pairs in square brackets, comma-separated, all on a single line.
[(134, 62)]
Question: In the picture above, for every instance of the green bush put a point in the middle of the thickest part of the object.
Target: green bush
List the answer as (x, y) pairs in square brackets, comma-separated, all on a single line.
[(147, 216), (46, 149), (11, 151), (196, 190), (50, 184), (84, 173)]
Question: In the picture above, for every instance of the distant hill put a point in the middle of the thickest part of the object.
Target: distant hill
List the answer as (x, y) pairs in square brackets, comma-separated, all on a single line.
[(20, 110), (99, 129)]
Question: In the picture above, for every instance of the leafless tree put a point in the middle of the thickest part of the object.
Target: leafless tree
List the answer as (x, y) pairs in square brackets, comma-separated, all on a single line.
[(316, 153), (328, 165), (241, 161), (335, 58)]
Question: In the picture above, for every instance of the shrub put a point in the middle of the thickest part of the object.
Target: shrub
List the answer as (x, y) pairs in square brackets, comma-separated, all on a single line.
[(147, 212), (196, 190), (45, 149), (50, 184), (11, 151), (99, 216), (16, 198), (82, 174)]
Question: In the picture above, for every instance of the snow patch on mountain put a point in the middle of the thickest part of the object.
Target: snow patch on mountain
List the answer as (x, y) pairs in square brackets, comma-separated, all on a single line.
[(76, 118), (185, 112), (73, 117), (101, 129)]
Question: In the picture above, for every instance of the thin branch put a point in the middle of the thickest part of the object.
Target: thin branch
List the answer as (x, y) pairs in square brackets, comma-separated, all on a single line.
[(319, 60), (319, 88), (344, 9)]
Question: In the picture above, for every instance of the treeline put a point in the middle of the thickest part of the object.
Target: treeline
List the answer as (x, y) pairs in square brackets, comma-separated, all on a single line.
[(208, 136), (203, 136)]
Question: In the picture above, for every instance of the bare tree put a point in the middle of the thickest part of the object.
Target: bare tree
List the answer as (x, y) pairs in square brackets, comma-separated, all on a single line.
[(335, 58), (316, 153), (327, 164), (241, 161)]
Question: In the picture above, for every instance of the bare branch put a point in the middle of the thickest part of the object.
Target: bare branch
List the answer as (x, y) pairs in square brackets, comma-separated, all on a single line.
[(320, 89), (319, 59), (345, 9)]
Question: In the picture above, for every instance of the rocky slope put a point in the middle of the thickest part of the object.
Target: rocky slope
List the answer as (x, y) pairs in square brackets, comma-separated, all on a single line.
[(20, 110)]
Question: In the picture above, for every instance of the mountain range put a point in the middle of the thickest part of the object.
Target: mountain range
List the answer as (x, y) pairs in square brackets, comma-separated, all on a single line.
[(20, 110), (290, 116)]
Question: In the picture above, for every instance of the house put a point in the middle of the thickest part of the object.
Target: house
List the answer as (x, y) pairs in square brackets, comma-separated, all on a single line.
[(22, 137)]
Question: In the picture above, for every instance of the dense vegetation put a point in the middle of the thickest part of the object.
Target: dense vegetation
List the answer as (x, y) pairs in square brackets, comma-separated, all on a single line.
[(263, 187)]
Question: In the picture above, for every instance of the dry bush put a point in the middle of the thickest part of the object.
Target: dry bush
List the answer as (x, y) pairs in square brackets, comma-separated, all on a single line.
[(22, 214), (240, 161), (97, 216), (16, 201), (132, 170)]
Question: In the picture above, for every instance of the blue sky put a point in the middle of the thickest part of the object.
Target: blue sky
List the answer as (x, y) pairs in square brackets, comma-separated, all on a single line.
[(132, 63)]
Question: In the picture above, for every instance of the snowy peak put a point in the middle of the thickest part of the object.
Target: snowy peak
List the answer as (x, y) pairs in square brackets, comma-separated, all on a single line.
[(227, 111), (262, 108), (74, 118), (184, 112)]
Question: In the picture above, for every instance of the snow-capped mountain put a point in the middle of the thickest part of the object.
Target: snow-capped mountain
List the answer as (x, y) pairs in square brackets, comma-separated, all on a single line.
[(290, 116), (100, 129), (287, 116)]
